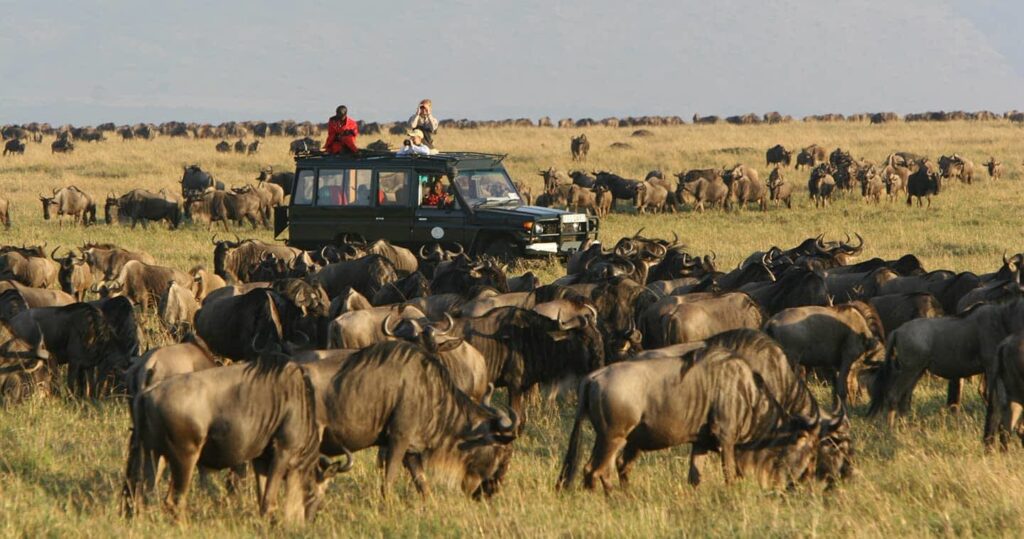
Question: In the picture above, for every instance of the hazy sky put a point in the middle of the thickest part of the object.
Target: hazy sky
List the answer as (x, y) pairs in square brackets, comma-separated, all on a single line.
[(127, 61)]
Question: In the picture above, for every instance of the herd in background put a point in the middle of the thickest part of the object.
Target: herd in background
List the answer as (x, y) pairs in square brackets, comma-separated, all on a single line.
[(320, 354), (831, 174)]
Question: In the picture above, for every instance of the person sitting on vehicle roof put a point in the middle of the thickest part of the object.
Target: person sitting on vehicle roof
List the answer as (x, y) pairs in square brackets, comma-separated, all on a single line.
[(425, 121), (436, 196), (341, 133), (414, 144)]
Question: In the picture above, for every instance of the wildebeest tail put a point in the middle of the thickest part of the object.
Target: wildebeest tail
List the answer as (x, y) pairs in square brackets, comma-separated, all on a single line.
[(132, 494), (572, 461)]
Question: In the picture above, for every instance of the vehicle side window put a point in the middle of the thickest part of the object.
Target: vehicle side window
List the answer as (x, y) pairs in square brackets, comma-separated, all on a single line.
[(394, 190), (345, 188), (302, 195), (331, 190)]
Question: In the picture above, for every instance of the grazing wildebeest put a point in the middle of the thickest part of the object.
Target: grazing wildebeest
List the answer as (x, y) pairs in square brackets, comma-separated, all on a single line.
[(703, 192), (24, 374), (821, 185), (661, 403), (107, 259), (579, 147), (778, 154), (62, 145), (841, 339), (145, 284), (958, 167)]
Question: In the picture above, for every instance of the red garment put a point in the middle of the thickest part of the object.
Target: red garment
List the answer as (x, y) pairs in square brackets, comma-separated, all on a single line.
[(336, 140), (433, 199)]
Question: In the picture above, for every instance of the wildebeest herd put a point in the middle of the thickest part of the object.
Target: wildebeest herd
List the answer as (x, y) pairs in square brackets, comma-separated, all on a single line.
[(739, 186), (288, 361)]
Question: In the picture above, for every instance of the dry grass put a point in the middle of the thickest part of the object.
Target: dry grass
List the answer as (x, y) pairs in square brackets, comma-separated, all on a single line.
[(61, 461)]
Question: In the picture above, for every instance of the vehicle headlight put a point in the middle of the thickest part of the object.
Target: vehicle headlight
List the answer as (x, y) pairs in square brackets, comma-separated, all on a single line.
[(538, 228)]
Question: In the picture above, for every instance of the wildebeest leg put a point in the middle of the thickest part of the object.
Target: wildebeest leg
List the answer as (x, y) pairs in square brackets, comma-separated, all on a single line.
[(236, 479), (395, 456), (275, 475), (728, 460), (994, 420), (697, 455), (294, 497), (953, 394), (1012, 422), (607, 448), (626, 460), (414, 463), (515, 402), (182, 467)]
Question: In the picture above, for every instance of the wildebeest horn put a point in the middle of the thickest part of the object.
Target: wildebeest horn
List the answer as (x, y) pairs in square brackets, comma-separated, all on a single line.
[(451, 325), (592, 310), (95, 288), (237, 239), (54, 252), (637, 235), (422, 253), (462, 249), (213, 239), (1006, 261), (675, 238), (384, 326)]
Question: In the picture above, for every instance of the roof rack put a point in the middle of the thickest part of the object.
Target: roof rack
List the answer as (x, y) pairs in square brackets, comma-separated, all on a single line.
[(368, 155)]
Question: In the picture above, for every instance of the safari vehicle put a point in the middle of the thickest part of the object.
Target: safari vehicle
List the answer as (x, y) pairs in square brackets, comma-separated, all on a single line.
[(379, 195)]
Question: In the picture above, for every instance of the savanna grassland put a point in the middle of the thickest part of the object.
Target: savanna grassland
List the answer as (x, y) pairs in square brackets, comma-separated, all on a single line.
[(62, 460)]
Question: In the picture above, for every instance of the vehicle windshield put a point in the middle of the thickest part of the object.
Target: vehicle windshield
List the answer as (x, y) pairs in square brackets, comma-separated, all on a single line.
[(486, 187)]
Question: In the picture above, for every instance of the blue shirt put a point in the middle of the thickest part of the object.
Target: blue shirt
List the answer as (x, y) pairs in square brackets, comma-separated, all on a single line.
[(418, 149)]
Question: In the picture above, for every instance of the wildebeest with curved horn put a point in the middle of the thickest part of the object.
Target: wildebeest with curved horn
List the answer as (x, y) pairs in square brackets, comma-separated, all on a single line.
[(69, 201)]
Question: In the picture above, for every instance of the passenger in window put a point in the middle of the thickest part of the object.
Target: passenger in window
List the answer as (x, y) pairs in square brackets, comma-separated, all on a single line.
[(342, 132), (436, 197), (414, 144), (424, 121)]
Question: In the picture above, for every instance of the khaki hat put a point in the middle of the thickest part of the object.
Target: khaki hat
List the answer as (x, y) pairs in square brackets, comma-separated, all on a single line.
[(414, 133)]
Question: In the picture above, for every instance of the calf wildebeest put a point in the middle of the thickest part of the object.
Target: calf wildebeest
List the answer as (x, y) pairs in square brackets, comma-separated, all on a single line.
[(695, 317), (69, 201), (995, 168), (14, 146), (223, 147), (924, 183), (810, 156), (579, 147), (841, 339), (225, 417), (661, 403), (420, 416), (951, 347), (821, 186), (958, 167), (778, 154)]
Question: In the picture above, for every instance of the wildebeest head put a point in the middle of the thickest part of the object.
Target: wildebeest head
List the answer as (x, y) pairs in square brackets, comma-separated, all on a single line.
[(220, 253), (835, 452), (48, 203)]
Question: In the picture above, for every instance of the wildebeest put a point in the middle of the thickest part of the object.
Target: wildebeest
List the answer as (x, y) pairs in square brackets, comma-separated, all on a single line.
[(871, 184), (420, 417), (238, 326), (695, 317), (579, 147), (305, 144), (702, 192), (898, 309), (236, 261), (994, 168), (37, 297), (810, 156), (841, 339), (924, 183), (24, 374), (14, 146), (820, 186), (367, 275), (958, 167), (141, 205), (75, 276), (778, 154), (223, 147), (779, 190), (284, 180), (252, 148), (5, 212), (661, 403), (225, 417), (194, 181), (144, 284), (107, 259), (951, 347), (746, 186), (1004, 393), (177, 308), (28, 266), (69, 201), (62, 145)]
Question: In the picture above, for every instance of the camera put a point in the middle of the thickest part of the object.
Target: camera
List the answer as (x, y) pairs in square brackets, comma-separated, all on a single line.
[(407, 143)]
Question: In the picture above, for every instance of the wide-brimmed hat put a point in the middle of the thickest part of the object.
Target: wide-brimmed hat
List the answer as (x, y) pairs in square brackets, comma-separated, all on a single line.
[(414, 133)]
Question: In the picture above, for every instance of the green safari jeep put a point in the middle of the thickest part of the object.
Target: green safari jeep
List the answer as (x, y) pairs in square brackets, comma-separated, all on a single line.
[(380, 195)]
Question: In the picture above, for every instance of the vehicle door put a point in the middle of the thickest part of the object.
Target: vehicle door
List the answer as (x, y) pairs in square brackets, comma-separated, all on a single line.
[(343, 204), (441, 223), (395, 202)]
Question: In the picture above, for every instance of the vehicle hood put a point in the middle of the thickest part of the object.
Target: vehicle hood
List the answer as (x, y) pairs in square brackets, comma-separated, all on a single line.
[(525, 212)]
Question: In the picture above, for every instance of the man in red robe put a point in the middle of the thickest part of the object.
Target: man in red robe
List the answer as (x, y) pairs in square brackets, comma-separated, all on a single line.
[(341, 133)]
